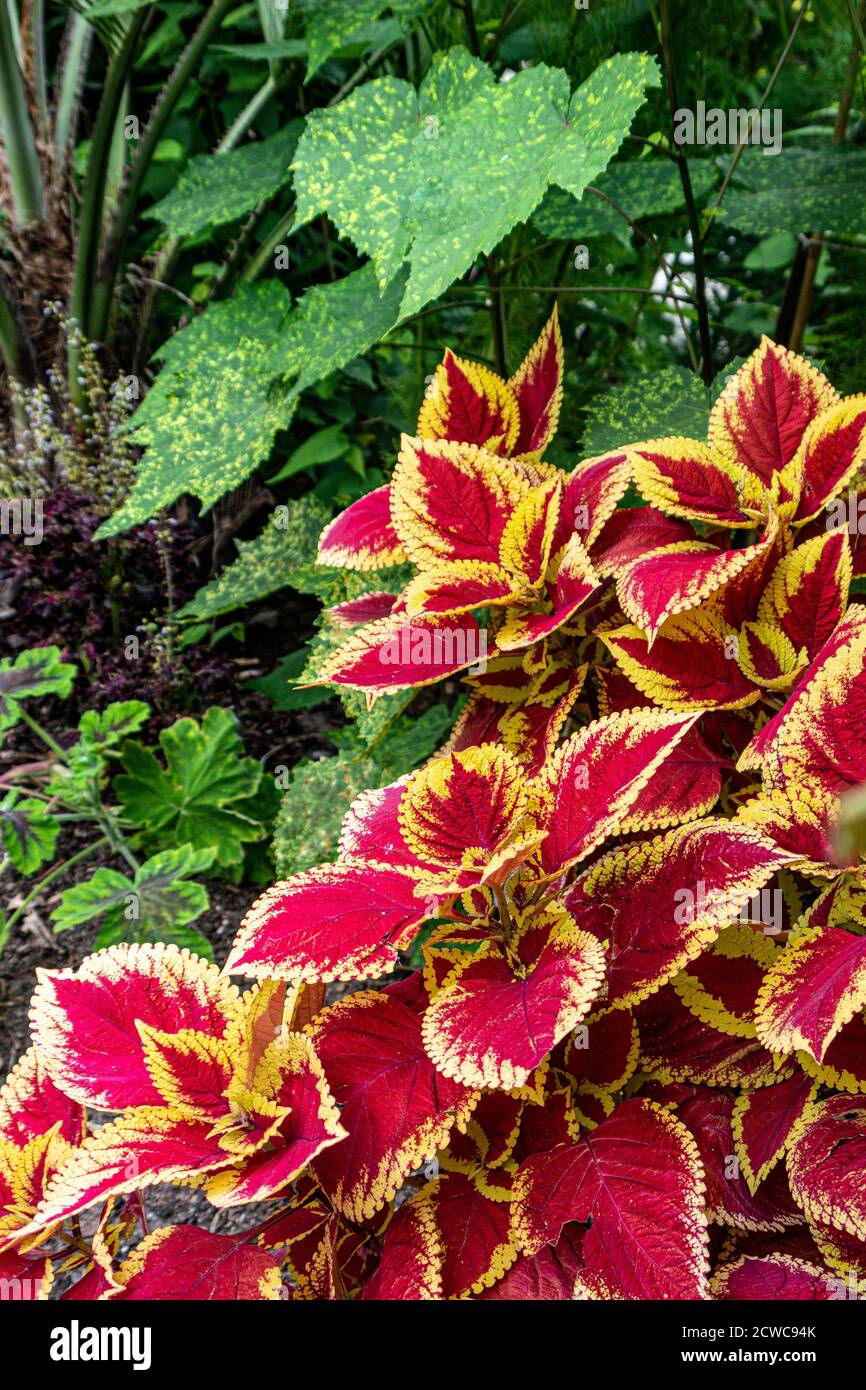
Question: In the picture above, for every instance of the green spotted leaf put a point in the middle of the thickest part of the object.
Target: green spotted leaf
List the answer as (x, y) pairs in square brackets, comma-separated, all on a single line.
[(441, 175), (320, 793), (670, 401), (335, 323), (217, 188), (284, 553), (28, 833), (641, 187), (213, 412), (332, 25), (818, 191), (231, 379)]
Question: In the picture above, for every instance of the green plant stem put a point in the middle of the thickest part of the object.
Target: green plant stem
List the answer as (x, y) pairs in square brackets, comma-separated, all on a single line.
[(471, 26), (691, 206), (497, 317), (90, 221), (19, 139), (12, 350), (242, 122), (37, 43), (184, 70), (51, 876), (256, 264), (76, 49), (667, 271), (361, 71), (42, 733), (115, 838)]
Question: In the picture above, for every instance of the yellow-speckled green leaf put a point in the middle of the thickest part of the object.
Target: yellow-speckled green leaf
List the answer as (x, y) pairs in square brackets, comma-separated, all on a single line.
[(212, 414), (283, 554), (331, 24), (823, 189), (672, 401), (232, 378), (441, 175), (320, 793), (641, 187), (216, 188), (284, 551)]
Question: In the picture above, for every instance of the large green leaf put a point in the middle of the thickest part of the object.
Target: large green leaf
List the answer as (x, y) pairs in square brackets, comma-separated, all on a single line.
[(217, 188), (670, 401), (441, 175), (38, 671), (231, 380), (332, 24), (798, 190), (203, 795), (641, 187), (151, 906), (213, 412), (320, 793)]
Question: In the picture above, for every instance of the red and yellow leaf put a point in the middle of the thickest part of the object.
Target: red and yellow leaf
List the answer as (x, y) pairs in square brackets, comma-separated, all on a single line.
[(362, 537), (827, 1165), (807, 593), (766, 1123), (765, 409), (637, 1178), (410, 1269), (495, 1019), (397, 652), (816, 986), (684, 478), (771, 1278), (372, 1052), (341, 921), (85, 1021), (691, 665), (186, 1263), (537, 388), (470, 404), (657, 904), (595, 780), (452, 501)]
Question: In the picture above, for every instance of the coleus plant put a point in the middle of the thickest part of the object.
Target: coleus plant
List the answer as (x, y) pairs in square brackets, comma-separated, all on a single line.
[(630, 1059)]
